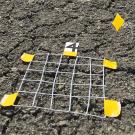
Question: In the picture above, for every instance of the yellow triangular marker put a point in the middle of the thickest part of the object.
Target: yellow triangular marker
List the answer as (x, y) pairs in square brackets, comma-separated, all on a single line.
[(9, 99), (110, 64), (27, 57), (112, 108), (118, 22)]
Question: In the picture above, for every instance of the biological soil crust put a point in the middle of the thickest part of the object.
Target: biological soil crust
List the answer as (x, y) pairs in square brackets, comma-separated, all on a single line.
[(44, 26)]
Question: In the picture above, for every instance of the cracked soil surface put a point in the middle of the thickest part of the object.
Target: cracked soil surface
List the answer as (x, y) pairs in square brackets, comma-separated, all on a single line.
[(45, 25)]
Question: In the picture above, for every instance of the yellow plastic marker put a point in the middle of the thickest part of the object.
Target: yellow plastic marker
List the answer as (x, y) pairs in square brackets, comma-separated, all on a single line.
[(71, 49), (27, 57), (118, 22), (110, 64), (71, 54), (9, 99), (112, 108)]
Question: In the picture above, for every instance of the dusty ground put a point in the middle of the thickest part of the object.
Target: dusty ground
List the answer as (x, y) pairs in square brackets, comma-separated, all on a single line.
[(45, 25)]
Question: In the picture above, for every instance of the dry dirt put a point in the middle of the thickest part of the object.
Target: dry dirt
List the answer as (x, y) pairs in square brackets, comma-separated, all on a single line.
[(45, 25)]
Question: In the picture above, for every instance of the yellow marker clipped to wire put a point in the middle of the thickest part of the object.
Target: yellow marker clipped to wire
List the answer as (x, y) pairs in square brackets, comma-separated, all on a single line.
[(110, 64), (9, 99), (27, 57), (118, 22), (71, 49), (112, 108)]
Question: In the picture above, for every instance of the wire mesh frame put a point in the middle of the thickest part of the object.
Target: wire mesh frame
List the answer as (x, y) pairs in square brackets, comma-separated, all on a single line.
[(70, 95)]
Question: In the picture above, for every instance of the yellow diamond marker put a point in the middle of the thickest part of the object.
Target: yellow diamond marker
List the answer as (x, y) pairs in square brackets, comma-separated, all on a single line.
[(27, 57), (110, 64), (118, 22), (112, 108), (9, 99), (71, 49)]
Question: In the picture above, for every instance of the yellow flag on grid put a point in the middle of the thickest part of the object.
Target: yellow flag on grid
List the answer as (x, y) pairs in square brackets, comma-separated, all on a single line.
[(110, 64), (118, 22), (112, 108), (71, 49), (9, 99), (27, 57)]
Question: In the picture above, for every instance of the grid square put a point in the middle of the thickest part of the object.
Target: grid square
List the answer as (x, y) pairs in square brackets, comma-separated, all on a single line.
[(52, 67), (43, 101), (80, 90), (64, 78), (49, 76), (66, 68), (54, 58), (61, 103), (97, 62), (29, 86), (46, 88), (96, 69), (33, 75), (26, 99), (62, 89), (79, 105), (37, 65), (83, 61), (40, 57), (82, 69), (97, 80), (69, 61), (96, 107), (81, 79), (97, 91)]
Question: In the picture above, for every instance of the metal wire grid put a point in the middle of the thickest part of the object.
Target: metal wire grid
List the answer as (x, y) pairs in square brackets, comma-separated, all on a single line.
[(65, 101)]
